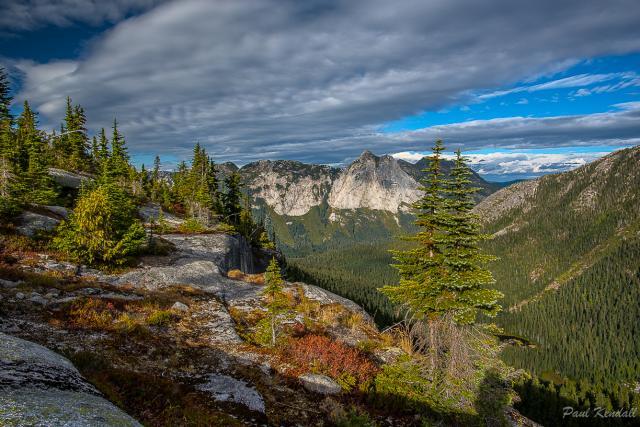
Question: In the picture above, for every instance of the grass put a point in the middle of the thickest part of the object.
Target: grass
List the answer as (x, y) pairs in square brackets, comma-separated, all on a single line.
[(117, 316), (161, 318)]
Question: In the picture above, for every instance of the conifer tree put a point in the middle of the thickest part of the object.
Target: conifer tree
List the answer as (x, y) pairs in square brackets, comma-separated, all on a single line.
[(212, 183), (103, 227), (103, 146), (38, 185), (464, 262), (8, 200), (421, 275), (117, 167), (5, 97), (95, 152), (443, 275), (231, 199), (277, 303)]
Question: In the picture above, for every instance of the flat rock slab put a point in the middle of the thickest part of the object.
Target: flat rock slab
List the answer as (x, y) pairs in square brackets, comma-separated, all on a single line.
[(41, 388), (224, 388), (33, 407)]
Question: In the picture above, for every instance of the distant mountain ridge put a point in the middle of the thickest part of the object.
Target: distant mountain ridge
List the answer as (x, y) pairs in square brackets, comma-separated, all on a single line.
[(569, 249), (373, 182), (310, 207)]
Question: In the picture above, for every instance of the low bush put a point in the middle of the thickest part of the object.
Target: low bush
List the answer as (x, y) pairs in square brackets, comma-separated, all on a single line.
[(160, 318), (315, 353), (192, 226)]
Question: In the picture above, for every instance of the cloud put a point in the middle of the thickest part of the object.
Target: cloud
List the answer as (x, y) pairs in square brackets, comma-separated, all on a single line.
[(522, 101), (20, 15), (409, 156), (513, 164), (314, 80), (528, 164), (626, 79)]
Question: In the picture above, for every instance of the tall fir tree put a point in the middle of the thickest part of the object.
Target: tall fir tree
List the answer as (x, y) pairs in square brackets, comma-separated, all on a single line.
[(38, 185), (5, 97), (443, 275), (8, 202), (231, 199), (117, 168), (466, 275)]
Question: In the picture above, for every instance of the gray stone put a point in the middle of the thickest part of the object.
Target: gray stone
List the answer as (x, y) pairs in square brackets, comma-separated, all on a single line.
[(178, 306), (8, 284), (41, 388), (321, 384), (57, 210), (32, 223), (36, 298), (151, 212), (228, 389), (20, 296), (68, 179)]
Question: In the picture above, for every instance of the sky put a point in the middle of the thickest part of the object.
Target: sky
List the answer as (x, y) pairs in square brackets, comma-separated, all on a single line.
[(523, 88)]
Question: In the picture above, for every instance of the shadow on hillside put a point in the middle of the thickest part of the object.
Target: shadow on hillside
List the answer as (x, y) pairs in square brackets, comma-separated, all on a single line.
[(544, 405)]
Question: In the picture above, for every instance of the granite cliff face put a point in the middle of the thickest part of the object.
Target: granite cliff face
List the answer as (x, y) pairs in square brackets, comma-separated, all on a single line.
[(288, 187), (373, 182), (380, 183), (310, 207)]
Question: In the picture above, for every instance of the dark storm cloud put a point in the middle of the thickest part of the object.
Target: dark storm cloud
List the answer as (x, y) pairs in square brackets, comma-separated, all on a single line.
[(314, 80)]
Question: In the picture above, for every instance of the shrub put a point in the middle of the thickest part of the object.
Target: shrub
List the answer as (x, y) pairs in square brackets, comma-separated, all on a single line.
[(92, 313), (192, 226), (103, 228), (316, 353), (160, 318)]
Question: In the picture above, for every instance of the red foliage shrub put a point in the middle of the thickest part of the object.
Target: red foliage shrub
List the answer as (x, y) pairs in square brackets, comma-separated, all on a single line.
[(321, 354)]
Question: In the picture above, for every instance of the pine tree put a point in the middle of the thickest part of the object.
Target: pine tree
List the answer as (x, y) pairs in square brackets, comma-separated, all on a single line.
[(277, 303), (212, 183), (8, 201), (38, 185), (5, 98), (420, 290), (464, 262), (444, 274), (231, 199), (103, 228), (117, 167)]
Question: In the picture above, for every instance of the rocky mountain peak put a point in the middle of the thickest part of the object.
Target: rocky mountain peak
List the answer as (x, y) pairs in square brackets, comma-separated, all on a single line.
[(366, 156), (375, 183)]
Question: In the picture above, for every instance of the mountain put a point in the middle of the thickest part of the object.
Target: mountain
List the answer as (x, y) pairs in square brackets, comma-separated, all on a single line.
[(315, 207), (569, 267), (569, 248)]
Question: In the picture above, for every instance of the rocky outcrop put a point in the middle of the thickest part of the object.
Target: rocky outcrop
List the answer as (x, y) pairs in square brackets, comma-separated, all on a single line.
[(68, 179), (32, 222), (375, 183), (39, 387)]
